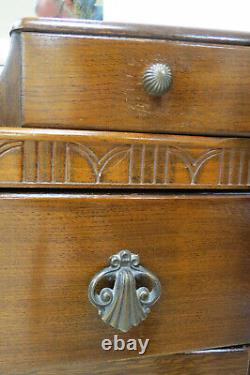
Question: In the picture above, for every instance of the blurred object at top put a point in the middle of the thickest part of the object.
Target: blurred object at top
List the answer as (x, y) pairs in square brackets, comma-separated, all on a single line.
[(55, 8), (88, 9)]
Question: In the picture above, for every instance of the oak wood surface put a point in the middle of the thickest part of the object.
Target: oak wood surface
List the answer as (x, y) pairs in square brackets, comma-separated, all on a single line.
[(52, 245), (95, 159), (84, 82), (211, 363)]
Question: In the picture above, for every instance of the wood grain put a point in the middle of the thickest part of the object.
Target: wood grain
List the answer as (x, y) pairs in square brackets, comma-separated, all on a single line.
[(63, 158), (62, 87), (97, 28), (83, 82), (207, 363), (63, 76), (53, 244)]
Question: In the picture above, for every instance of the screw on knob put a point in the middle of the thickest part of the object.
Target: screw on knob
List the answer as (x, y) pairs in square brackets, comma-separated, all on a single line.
[(157, 79)]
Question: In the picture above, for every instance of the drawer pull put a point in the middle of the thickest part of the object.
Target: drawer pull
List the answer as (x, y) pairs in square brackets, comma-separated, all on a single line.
[(133, 290), (157, 79)]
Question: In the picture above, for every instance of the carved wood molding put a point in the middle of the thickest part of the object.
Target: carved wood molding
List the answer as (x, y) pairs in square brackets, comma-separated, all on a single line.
[(102, 160)]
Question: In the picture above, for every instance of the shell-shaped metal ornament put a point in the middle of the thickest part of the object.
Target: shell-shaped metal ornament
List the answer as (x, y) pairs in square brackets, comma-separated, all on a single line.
[(124, 305), (157, 79)]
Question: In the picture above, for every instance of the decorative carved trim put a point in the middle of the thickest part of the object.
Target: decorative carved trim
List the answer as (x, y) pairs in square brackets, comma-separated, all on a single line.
[(6, 147), (133, 164)]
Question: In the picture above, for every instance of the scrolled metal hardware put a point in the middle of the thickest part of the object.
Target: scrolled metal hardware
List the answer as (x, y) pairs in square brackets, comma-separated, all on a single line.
[(157, 79), (124, 305)]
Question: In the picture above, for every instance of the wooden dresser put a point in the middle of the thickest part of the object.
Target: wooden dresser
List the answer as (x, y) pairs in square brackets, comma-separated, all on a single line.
[(124, 201)]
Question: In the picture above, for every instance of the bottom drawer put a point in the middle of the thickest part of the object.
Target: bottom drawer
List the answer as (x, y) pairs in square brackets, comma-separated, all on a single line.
[(51, 245), (220, 362)]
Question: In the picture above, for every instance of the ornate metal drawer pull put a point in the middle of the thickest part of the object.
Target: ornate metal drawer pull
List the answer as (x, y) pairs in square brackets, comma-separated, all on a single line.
[(125, 304), (157, 79)]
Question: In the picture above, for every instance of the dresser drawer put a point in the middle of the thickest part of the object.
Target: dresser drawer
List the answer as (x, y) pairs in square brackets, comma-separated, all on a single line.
[(216, 362), (72, 79), (52, 246)]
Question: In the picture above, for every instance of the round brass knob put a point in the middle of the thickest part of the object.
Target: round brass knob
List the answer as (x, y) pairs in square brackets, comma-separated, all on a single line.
[(157, 79)]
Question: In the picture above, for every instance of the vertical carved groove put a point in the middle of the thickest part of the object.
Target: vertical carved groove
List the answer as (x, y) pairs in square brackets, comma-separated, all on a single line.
[(166, 166), (131, 162), (66, 165), (53, 153), (58, 162), (37, 162), (242, 160), (155, 165), (143, 151), (29, 161), (231, 167), (248, 176), (221, 167), (44, 161)]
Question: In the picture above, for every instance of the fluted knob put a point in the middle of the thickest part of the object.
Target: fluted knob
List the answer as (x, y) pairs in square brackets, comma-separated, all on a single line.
[(157, 79)]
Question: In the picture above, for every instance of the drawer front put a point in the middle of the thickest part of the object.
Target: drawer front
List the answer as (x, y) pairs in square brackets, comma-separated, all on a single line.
[(52, 245), (221, 362), (96, 83)]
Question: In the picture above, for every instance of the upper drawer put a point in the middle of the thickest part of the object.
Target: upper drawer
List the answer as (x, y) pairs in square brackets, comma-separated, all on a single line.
[(69, 79)]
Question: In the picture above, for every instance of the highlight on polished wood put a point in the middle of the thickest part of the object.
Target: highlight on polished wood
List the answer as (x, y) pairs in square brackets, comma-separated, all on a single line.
[(64, 158)]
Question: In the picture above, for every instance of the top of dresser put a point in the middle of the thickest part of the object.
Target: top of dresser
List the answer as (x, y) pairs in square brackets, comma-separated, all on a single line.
[(99, 28)]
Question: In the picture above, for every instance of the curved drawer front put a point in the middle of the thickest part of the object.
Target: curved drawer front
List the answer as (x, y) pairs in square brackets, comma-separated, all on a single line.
[(52, 246), (84, 82)]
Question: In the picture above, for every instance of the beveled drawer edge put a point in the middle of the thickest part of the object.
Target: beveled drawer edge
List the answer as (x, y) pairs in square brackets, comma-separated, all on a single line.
[(71, 158), (115, 29)]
